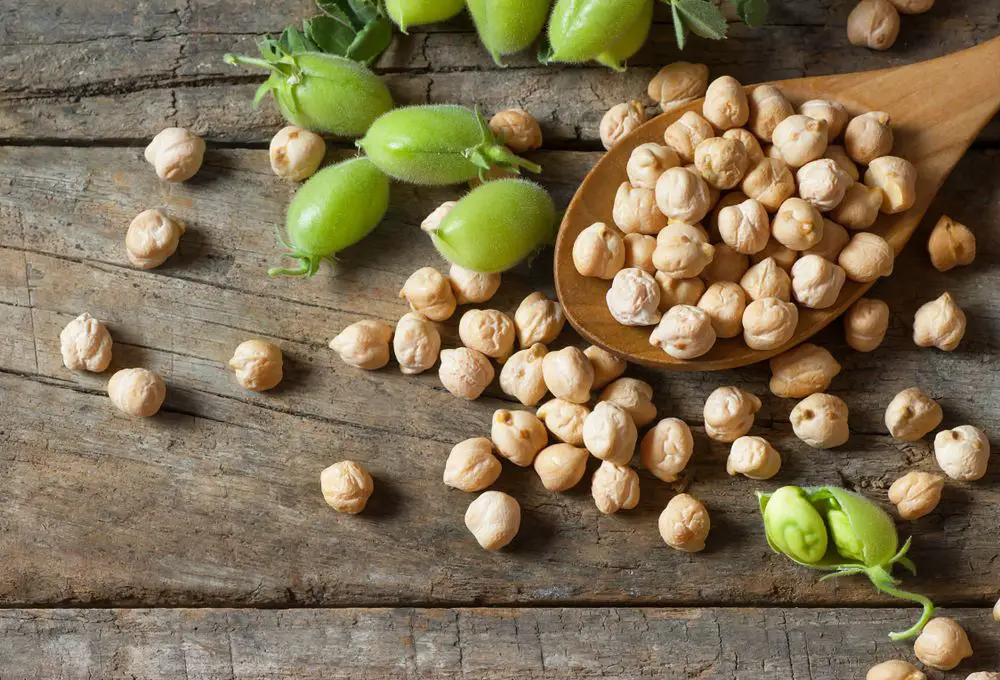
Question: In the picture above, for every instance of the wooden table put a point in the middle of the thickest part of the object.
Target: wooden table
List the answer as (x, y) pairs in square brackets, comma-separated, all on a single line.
[(196, 543)]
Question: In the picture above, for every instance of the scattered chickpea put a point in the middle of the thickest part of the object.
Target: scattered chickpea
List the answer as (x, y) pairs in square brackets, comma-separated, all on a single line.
[(835, 237), (538, 319), (364, 344), (729, 413), (832, 112), (896, 669), (963, 453), (416, 344), (666, 449), (471, 287), (607, 366), (561, 466), (635, 211), (568, 374), (873, 24), (725, 302), (429, 293), (677, 84), (682, 251), (564, 420), (866, 257), (488, 331), (176, 154), (609, 433), (823, 183), (85, 344), (754, 458), (912, 6), (912, 414), (838, 154), (649, 161), (951, 244), (518, 130), (767, 280), (518, 436), (916, 494), (614, 488), (258, 365), (866, 323), (471, 465), (639, 249), (939, 323), (686, 133), (678, 291), (816, 282), (942, 644), (820, 420), (868, 137), (137, 391), (465, 372), (346, 487), (635, 396), (800, 139), (745, 226), (685, 332), (798, 225), (727, 265), (521, 376), (151, 238), (768, 323), (803, 370), (682, 195), (770, 182), (721, 162), (684, 524), (295, 153), (897, 178), (433, 221), (860, 206), (768, 107), (620, 120), (494, 518), (750, 144)]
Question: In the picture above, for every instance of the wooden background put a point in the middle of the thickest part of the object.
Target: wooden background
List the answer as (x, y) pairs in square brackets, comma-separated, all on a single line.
[(196, 544)]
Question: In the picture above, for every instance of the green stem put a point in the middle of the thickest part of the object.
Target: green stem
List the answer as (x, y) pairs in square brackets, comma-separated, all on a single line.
[(240, 60), (505, 158), (881, 579), (306, 268)]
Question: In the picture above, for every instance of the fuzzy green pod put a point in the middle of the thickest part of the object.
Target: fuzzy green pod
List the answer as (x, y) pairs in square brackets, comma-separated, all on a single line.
[(580, 30), (794, 527), (630, 42), (406, 13), (496, 225), (508, 26)]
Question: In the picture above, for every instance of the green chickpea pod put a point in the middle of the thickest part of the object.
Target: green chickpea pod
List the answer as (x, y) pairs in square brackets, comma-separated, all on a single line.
[(508, 26), (581, 30), (406, 13)]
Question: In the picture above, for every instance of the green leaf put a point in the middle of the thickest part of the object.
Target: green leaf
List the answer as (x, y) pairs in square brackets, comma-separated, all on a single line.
[(680, 32), (294, 41), (371, 41), (329, 35), (702, 17), (545, 50), (751, 12)]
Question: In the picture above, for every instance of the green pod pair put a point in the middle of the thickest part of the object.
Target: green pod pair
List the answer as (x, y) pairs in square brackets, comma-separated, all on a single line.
[(508, 26), (608, 31), (406, 13)]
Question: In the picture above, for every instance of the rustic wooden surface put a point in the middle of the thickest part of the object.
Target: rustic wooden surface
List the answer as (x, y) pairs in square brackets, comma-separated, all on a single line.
[(215, 502)]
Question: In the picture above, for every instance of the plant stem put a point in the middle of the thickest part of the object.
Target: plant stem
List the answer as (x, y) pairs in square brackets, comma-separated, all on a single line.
[(881, 579)]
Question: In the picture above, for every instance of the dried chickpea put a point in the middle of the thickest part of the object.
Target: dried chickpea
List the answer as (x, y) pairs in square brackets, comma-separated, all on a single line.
[(770, 182), (860, 206), (518, 130), (416, 344), (823, 183), (726, 265), (614, 488), (835, 237), (677, 84), (951, 244), (939, 323), (678, 291), (984, 675), (996, 613), (767, 280), (620, 120), (866, 323), (897, 178), (607, 366), (568, 374), (713, 194), (564, 420), (768, 107), (729, 413), (686, 133), (800, 139), (635, 396), (895, 669), (666, 449), (364, 344), (820, 420), (257, 364), (769, 323), (681, 251), (487, 331), (598, 251), (538, 319), (635, 211), (684, 524), (868, 137), (609, 433), (471, 287), (873, 24), (684, 332), (783, 256), (494, 518), (634, 298), (725, 302), (726, 104), (754, 458), (561, 466), (85, 344), (639, 249), (521, 376), (963, 453), (803, 370), (838, 154), (912, 7), (912, 414), (866, 257), (518, 436), (137, 391), (151, 238), (429, 293), (471, 465), (647, 162), (816, 282), (798, 225), (942, 644), (772, 151), (682, 195), (176, 154), (346, 487), (465, 372), (433, 221), (832, 112), (295, 153), (745, 227), (916, 494), (721, 162)]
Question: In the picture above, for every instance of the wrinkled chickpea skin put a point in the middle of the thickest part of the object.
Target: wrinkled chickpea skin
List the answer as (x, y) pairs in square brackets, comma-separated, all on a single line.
[(416, 343), (726, 104), (942, 644), (176, 154), (686, 133), (868, 137), (835, 237), (639, 249), (725, 303), (521, 376), (721, 162), (963, 453), (729, 413), (682, 195), (682, 251), (647, 162), (754, 458), (634, 298), (564, 420), (538, 319), (767, 280), (678, 291), (916, 494), (939, 323), (666, 449), (677, 84), (832, 113), (727, 266), (471, 287), (609, 433), (801, 371), (895, 669), (816, 282), (745, 226), (635, 396), (859, 208), (346, 487), (873, 24), (770, 182), (137, 391), (750, 144), (866, 323), (568, 374), (614, 488), (620, 120), (518, 436), (635, 211), (768, 107), (494, 518), (607, 366), (684, 332), (820, 420), (471, 465), (768, 323), (465, 372), (429, 293), (85, 344), (152, 237), (897, 178), (866, 257), (364, 344), (488, 331), (823, 183), (783, 256), (684, 524), (518, 130), (951, 244), (800, 139), (295, 153), (798, 225), (258, 365), (912, 414), (560, 467), (838, 154)]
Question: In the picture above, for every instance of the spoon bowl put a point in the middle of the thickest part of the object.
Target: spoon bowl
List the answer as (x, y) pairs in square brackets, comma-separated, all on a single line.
[(936, 109)]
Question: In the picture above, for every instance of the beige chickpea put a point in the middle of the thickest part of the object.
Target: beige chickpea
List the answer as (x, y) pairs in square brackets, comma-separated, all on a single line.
[(916, 494), (85, 344), (635, 211), (599, 251), (816, 282), (416, 344), (750, 144), (494, 518), (620, 120), (783, 256), (518, 436), (835, 237), (471, 287), (517, 129), (754, 458), (721, 162), (258, 365), (677, 84), (568, 374), (768, 323), (609, 433), (682, 195), (471, 465), (635, 396), (429, 293), (963, 453), (868, 137), (912, 414), (538, 319), (639, 249), (678, 291), (951, 244), (820, 420), (770, 182), (803, 370), (681, 251), (768, 107), (647, 162), (939, 323), (152, 237), (897, 178), (767, 280), (137, 391), (896, 669), (724, 301), (772, 151), (866, 323), (488, 331), (860, 206), (666, 449), (726, 104), (832, 112), (996, 613), (942, 644), (798, 225), (364, 344), (295, 153), (465, 372), (800, 139), (713, 194), (521, 376), (823, 183), (431, 223), (346, 487), (726, 265), (176, 154), (984, 675), (561, 466), (607, 366), (684, 524), (866, 257), (912, 6), (614, 488), (564, 420), (873, 24), (684, 332), (838, 154), (745, 227), (686, 133), (729, 413)]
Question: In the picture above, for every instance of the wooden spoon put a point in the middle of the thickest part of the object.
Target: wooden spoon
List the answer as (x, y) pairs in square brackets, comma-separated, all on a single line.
[(937, 109)]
